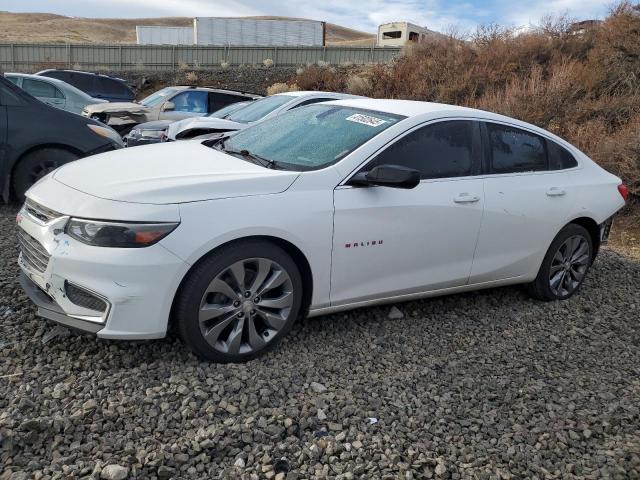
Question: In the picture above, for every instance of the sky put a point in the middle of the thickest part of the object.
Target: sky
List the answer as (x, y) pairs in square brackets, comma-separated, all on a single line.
[(439, 15)]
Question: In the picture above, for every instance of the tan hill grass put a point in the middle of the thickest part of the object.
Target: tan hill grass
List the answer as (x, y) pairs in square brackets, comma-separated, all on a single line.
[(46, 28)]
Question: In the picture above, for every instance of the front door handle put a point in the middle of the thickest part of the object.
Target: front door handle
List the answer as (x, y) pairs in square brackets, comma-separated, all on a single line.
[(466, 198), (556, 192)]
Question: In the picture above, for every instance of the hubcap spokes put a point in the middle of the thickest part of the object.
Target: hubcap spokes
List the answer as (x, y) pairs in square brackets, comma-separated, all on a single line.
[(569, 266), (245, 306)]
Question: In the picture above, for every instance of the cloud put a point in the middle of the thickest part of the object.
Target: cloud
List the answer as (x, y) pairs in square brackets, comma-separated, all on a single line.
[(363, 15)]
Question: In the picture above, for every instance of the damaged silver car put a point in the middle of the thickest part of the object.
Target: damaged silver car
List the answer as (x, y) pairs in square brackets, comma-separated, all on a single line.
[(170, 103)]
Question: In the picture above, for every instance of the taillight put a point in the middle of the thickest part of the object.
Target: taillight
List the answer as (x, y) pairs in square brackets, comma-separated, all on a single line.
[(624, 191)]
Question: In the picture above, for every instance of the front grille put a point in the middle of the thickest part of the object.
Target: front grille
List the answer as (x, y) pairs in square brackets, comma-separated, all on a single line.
[(32, 251), (40, 212), (84, 298)]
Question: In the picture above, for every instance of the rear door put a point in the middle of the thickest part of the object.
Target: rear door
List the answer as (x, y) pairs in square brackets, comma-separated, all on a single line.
[(45, 92), (526, 203)]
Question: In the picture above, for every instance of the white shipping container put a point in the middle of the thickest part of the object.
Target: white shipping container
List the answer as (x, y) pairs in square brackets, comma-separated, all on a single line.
[(251, 32), (157, 35)]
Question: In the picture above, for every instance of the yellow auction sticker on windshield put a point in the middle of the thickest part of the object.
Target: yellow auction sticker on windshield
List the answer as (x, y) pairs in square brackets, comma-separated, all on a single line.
[(366, 120)]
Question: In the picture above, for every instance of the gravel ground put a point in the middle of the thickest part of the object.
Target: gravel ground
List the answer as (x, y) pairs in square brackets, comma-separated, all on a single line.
[(484, 385)]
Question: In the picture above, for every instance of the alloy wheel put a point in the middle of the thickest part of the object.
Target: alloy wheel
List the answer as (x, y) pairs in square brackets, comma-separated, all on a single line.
[(246, 305), (569, 265)]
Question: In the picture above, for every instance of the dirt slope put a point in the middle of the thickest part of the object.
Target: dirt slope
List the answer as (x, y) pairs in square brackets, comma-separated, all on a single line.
[(45, 27)]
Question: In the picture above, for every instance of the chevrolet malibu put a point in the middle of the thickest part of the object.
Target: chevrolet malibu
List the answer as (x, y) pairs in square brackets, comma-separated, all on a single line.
[(329, 207)]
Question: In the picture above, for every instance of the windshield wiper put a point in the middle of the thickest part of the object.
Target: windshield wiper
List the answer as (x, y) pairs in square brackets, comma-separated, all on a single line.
[(246, 154)]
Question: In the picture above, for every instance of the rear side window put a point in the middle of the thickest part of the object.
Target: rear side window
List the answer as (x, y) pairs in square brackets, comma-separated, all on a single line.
[(515, 150), (82, 81), (40, 89), (112, 87), (559, 157), (440, 150), (13, 80), (219, 100)]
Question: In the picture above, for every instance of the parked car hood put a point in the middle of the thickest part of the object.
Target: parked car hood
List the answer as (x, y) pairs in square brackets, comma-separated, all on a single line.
[(154, 125), (202, 122), (171, 173), (115, 107)]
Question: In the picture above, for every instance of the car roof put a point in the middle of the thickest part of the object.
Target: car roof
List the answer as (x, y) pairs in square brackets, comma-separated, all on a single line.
[(216, 90), (414, 108), (302, 93), (80, 71)]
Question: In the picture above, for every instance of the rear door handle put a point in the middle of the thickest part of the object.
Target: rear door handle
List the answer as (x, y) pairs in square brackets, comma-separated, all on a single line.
[(556, 192), (466, 198)]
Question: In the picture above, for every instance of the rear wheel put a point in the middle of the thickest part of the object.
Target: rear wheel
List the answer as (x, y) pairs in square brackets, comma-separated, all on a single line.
[(564, 266), (35, 165), (239, 302)]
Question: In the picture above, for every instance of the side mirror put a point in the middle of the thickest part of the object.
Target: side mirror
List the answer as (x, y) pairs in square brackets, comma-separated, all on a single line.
[(394, 176), (168, 106)]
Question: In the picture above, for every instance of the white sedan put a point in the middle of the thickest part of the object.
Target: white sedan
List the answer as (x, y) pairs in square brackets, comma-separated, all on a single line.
[(257, 111), (329, 207)]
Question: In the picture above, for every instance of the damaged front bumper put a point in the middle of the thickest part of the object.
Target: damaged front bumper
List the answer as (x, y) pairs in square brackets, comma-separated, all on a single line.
[(116, 293)]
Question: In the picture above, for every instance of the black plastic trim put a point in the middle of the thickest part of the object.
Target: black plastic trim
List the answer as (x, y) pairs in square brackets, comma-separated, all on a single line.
[(49, 309)]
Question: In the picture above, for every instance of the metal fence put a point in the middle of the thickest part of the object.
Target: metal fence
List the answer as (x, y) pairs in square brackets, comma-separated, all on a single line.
[(28, 56)]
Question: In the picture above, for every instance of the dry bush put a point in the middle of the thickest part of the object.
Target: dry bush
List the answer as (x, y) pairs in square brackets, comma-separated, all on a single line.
[(267, 62), (191, 78), (224, 64), (183, 65), (358, 84), (319, 78), (282, 88), (584, 87)]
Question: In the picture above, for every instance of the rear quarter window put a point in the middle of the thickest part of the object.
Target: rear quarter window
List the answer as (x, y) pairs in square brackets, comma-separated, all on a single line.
[(559, 157)]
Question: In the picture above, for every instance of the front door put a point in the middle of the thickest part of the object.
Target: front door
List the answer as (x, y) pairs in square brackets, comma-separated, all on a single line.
[(390, 241)]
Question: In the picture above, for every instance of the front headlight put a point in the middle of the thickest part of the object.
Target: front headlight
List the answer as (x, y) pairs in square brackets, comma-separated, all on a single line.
[(106, 132), (153, 133), (118, 234)]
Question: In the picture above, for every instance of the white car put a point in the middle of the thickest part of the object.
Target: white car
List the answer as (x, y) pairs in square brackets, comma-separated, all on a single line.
[(329, 207), (257, 111)]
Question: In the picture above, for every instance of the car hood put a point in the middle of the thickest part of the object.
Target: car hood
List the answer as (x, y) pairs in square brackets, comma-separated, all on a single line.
[(170, 173), (154, 125), (115, 107), (202, 122)]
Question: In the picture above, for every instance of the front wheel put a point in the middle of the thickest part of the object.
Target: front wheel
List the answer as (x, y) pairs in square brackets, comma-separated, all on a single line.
[(239, 302), (564, 266)]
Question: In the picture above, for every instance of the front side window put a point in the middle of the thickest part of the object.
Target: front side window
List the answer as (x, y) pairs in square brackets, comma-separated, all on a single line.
[(259, 109), (515, 150), (40, 89), (192, 101), (82, 81), (158, 97), (440, 150), (311, 138)]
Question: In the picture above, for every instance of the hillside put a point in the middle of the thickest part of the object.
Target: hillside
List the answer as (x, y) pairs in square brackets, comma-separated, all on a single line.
[(45, 28)]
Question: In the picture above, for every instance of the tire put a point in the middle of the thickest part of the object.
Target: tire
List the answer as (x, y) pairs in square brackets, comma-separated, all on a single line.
[(35, 165), (239, 324), (565, 265)]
